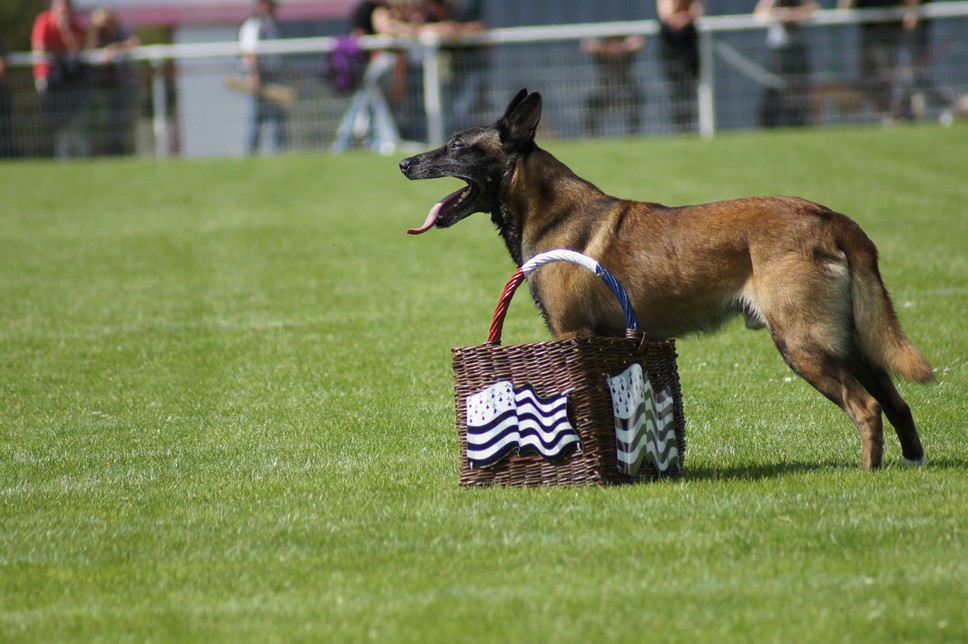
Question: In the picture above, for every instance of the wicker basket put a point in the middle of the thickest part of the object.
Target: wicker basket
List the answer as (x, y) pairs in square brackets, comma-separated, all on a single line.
[(577, 370)]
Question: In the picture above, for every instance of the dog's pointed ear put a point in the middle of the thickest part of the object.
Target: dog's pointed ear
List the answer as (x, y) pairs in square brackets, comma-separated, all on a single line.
[(520, 96), (520, 120)]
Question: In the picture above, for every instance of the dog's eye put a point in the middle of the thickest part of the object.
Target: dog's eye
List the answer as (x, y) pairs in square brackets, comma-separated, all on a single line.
[(456, 144)]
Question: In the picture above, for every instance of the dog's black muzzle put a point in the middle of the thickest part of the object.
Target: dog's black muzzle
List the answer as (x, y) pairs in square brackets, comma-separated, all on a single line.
[(429, 165)]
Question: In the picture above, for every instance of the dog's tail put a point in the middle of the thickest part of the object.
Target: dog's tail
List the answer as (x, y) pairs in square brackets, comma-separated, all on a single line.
[(879, 332)]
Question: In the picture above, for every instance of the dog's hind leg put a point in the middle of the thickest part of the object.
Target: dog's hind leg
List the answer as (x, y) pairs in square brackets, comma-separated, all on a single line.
[(831, 376), (878, 382), (807, 307)]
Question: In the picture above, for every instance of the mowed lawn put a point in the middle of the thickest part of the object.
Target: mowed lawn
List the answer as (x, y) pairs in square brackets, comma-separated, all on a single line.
[(226, 414)]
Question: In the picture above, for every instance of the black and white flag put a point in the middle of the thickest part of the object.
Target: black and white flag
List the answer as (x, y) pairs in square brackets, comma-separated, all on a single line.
[(502, 420), (643, 422)]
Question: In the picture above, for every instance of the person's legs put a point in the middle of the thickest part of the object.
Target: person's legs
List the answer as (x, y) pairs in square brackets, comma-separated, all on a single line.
[(255, 126)]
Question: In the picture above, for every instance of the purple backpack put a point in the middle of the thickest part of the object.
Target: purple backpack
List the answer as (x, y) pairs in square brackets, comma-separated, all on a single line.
[(344, 66)]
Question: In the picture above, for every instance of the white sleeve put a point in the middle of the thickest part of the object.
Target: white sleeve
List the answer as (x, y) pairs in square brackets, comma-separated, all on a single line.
[(249, 36)]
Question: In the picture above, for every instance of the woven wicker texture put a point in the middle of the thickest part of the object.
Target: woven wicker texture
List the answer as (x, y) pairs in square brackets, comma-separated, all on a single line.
[(581, 366)]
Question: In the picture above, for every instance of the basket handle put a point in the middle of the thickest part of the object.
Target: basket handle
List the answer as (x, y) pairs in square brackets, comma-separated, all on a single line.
[(497, 323)]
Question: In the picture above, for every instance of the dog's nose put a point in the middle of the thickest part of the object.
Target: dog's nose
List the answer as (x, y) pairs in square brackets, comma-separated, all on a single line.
[(404, 166)]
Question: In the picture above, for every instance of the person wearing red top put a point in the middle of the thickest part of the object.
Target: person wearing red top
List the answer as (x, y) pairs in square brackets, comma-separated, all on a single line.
[(59, 74)]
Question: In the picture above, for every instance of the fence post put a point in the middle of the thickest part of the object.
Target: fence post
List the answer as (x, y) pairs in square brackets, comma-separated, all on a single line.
[(707, 83), (159, 105), (432, 99)]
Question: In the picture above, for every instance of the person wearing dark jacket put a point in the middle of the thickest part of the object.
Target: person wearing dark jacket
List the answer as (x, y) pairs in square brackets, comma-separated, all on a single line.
[(679, 45), (786, 104), (880, 42)]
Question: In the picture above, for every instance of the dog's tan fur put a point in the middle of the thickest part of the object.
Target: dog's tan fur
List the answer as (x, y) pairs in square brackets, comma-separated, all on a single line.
[(807, 273)]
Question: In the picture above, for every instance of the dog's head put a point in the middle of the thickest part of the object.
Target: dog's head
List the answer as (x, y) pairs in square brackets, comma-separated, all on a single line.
[(483, 157)]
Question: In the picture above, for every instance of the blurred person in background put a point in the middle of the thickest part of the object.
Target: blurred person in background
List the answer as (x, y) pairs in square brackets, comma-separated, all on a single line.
[(468, 89), (114, 82), (261, 70), (369, 119), (361, 18), (917, 90), (406, 18), (61, 77), (679, 46), (7, 147), (788, 103), (880, 43), (617, 87), (396, 18)]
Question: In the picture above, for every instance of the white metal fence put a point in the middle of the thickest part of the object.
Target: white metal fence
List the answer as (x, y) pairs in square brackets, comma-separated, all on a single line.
[(185, 98)]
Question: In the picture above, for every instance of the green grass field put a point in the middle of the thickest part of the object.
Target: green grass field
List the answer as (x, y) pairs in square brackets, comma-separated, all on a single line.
[(226, 414)]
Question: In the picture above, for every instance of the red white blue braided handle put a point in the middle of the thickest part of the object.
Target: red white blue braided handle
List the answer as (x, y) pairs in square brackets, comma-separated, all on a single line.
[(497, 323)]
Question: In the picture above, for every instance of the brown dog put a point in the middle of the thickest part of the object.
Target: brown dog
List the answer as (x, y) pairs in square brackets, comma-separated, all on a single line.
[(807, 273)]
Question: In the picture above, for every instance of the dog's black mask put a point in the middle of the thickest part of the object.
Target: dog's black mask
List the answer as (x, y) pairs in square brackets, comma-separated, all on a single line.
[(483, 157)]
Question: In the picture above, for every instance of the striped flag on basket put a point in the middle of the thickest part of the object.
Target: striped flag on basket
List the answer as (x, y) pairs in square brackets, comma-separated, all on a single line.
[(643, 422), (503, 419)]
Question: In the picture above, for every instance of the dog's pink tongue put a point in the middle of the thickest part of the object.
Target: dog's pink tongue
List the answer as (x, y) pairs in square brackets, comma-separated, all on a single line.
[(430, 221), (435, 211)]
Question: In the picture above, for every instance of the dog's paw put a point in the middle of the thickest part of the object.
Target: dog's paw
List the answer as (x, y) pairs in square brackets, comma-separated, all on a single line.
[(921, 462)]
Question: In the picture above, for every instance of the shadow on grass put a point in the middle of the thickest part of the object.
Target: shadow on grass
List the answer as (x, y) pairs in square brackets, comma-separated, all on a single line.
[(754, 472), (958, 463), (766, 471)]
